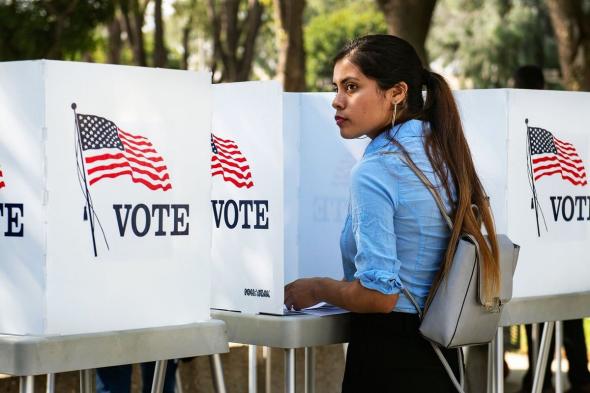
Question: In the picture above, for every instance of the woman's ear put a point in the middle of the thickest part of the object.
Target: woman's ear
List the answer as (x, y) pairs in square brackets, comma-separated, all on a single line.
[(398, 93)]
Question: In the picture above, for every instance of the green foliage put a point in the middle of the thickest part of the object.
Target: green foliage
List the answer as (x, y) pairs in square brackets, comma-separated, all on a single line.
[(57, 29), (329, 29), (486, 41)]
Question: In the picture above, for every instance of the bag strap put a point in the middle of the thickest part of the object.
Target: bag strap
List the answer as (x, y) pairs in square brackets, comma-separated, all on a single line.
[(436, 195), (432, 190), (458, 384)]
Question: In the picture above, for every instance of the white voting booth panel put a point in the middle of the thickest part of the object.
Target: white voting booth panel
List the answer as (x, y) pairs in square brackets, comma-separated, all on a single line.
[(546, 189), (536, 178), (280, 217), (104, 214)]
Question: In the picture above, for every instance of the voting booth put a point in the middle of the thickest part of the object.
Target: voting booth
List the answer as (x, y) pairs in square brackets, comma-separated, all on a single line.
[(531, 161), (531, 149), (104, 197), (279, 192)]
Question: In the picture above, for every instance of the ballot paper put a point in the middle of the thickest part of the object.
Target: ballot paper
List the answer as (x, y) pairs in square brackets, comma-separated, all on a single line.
[(321, 309)]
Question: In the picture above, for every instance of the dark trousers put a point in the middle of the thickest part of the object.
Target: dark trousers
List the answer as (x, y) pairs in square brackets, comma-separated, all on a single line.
[(575, 349), (386, 353), (117, 379)]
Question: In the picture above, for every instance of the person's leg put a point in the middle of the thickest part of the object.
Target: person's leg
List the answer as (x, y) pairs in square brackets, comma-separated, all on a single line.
[(115, 379), (476, 368), (387, 354), (574, 343), (147, 376)]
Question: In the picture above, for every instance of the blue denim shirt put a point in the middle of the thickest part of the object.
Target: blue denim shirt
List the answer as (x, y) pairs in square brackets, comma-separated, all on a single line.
[(394, 234)]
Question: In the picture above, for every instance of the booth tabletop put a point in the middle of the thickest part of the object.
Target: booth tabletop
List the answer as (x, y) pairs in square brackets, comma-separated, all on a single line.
[(546, 308), (34, 355), (289, 331), (301, 331)]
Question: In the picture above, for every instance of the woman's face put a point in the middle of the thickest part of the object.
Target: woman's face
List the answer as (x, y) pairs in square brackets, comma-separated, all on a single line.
[(361, 107)]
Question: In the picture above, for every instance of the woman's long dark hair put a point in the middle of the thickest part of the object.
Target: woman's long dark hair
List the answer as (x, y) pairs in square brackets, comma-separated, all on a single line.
[(390, 60)]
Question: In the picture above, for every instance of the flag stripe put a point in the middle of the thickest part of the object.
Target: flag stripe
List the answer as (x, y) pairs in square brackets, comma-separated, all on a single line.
[(231, 180), (238, 159), (236, 173), (139, 155), (243, 168), (133, 137), (138, 144), (150, 185), (227, 146), (565, 177), (563, 143), (102, 157), (554, 158), (573, 173), (572, 165), (222, 140), (125, 164), (229, 152)]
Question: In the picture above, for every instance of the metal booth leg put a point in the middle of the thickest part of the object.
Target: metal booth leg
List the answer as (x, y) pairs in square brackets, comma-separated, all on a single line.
[(252, 369), (290, 370), (535, 341), (27, 384), (87, 383), (178, 379), (541, 362), (217, 371), (558, 359), (309, 370), (267, 352), (159, 376), (491, 380), (50, 387), (499, 358)]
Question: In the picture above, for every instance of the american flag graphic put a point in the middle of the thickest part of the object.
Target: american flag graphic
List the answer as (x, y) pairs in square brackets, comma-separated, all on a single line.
[(552, 156), (2, 184), (110, 152), (228, 162)]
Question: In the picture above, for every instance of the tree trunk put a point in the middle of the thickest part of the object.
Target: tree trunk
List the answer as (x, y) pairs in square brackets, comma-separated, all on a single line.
[(291, 67), (237, 55), (55, 52), (160, 55), (115, 43), (138, 12), (186, 33), (571, 24), (410, 20), (133, 14)]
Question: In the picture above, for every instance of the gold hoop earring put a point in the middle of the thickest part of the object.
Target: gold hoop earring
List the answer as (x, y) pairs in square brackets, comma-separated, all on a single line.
[(394, 115)]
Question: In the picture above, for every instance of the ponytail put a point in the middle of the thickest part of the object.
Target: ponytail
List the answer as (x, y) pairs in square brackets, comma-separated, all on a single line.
[(448, 151)]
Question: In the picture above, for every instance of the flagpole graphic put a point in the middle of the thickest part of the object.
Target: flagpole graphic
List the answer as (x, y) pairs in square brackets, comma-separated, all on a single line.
[(88, 211), (534, 200)]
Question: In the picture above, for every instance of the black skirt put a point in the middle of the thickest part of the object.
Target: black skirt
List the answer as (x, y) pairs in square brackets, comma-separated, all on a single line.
[(386, 353)]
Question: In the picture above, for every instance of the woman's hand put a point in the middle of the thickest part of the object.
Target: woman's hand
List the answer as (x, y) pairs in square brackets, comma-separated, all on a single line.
[(349, 295), (301, 293)]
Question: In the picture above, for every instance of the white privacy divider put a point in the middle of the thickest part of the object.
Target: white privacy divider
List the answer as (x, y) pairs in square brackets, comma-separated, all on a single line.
[(294, 184), (531, 149), (104, 197)]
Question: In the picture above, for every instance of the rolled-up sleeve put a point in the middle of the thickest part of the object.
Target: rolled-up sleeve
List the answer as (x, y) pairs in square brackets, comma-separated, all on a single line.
[(373, 203)]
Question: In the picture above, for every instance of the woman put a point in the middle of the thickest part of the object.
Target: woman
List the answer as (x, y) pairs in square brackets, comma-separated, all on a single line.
[(394, 235)]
